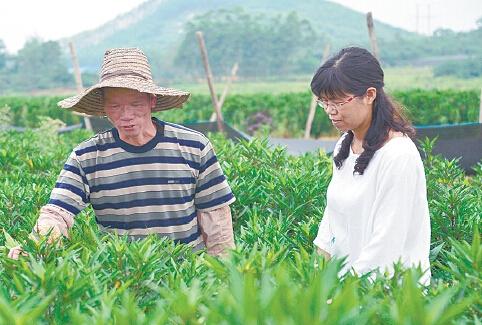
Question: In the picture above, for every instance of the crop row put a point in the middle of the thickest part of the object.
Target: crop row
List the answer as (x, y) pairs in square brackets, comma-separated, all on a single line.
[(273, 277), (282, 115)]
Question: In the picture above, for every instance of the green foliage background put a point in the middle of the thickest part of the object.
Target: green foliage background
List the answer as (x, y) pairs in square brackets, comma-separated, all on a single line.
[(273, 277), (289, 111), (266, 38)]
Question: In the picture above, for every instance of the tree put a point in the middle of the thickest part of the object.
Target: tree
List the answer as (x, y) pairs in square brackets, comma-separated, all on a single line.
[(3, 55), (3, 69), (262, 46), (40, 66)]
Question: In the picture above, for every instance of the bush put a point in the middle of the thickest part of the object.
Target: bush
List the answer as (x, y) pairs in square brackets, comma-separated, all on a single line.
[(288, 111), (468, 68), (273, 277)]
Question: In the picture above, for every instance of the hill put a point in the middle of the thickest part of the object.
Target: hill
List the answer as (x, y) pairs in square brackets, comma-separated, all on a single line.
[(157, 26)]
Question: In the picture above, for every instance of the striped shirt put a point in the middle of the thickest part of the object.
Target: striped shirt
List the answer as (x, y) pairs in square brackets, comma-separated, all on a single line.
[(155, 188)]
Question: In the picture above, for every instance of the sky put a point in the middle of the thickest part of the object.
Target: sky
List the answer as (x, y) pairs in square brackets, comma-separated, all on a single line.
[(48, 20)]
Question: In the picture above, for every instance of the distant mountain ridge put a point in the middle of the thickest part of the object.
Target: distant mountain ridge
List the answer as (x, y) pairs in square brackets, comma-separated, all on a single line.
[(156, 26)]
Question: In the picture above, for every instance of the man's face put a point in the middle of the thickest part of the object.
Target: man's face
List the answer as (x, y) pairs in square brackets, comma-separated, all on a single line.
[(130, 112)]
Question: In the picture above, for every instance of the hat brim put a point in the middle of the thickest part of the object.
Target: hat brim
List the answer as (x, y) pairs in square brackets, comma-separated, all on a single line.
[(88, 102)]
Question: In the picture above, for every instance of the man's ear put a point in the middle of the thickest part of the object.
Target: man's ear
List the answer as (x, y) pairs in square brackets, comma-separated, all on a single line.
[(152, 100), (371, 94)]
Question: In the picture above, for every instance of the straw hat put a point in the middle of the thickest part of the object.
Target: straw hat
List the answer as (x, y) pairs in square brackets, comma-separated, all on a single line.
[(125, 68)]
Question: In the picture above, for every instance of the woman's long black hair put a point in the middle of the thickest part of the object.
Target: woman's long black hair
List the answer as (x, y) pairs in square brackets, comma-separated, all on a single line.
[(352, 71)]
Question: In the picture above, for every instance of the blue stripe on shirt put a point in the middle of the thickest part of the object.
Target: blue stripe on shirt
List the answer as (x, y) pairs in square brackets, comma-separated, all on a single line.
[(140, 161), (216, 202), (212, 182), (144, 203), (143, 182), (98, 147), (189, 239), (75, 171), (185, 142), (147, 223), (73, 189), (208, 163), (64, 206)]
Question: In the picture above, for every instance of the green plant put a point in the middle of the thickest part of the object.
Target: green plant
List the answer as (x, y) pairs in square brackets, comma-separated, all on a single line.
[(273, 276)]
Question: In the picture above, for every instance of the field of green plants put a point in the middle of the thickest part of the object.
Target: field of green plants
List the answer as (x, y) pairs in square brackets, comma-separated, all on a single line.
[(287, 111), (273, 277)]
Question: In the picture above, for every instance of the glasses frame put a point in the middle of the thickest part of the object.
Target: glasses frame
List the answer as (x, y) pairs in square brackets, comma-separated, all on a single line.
[(334, 106)]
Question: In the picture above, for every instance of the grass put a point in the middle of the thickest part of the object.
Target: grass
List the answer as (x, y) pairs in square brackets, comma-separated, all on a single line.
[(396, 78)]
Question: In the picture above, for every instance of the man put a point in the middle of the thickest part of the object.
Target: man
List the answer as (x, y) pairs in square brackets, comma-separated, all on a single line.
[(144, 175)]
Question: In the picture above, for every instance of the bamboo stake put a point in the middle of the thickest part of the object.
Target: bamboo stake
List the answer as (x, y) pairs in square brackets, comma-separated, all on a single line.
[(373, 37), (480, 107), (226, 89), (209, 76), (311, 115), (80, 87)]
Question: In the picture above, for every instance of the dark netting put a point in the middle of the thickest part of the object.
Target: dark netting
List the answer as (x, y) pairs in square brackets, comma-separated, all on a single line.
[(211, 127), (455, 141)]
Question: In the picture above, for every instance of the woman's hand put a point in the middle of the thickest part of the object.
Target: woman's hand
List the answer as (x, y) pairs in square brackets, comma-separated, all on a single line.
[(324, 254)]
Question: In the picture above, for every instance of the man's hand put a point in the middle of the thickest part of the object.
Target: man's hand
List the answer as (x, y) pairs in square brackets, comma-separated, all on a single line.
[(16, 251)]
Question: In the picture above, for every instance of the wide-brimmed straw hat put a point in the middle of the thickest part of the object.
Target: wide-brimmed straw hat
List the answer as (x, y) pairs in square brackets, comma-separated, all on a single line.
[(125, 68)]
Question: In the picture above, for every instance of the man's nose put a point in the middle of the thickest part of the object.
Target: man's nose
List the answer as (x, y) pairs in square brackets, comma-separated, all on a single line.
[(127, 112)]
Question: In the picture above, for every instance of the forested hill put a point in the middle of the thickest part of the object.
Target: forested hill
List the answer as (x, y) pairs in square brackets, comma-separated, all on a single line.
[(159, 26)]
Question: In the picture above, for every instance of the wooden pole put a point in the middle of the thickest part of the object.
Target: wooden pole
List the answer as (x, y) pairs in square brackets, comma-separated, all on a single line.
[(226, 89), (373, 37), (311, 115), (480, 107), (209, 76), (78, 81)]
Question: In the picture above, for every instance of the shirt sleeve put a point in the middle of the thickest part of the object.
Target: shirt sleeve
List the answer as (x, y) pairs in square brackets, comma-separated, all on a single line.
[(217, 230), (69, 196), (212, 188), (55, 218), (72, 191), (324, 239), (391, 214)]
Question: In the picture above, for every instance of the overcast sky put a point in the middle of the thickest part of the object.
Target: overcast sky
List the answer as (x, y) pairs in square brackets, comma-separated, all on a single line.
[(54, 19)]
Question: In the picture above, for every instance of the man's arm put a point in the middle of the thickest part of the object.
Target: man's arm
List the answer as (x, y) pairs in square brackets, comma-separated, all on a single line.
[(217, 230), (51, 217), (54, 217)]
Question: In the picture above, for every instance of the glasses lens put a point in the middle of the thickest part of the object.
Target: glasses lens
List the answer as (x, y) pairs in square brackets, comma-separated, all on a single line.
[(333, 106)]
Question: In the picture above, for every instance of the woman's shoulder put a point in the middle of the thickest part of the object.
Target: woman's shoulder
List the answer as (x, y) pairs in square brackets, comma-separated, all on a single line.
[(399, 144)]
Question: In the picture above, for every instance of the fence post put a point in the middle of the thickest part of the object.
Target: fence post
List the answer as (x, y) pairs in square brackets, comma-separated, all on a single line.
[(480, 107), (226, 89), (78, 81), (209, 76), (373, 37), (311, 114)]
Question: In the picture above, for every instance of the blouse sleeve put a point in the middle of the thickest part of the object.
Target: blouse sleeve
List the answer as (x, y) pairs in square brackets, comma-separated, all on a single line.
[(324, 237)]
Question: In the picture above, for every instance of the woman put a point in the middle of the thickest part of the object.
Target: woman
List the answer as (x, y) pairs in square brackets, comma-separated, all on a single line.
[(377, 210)]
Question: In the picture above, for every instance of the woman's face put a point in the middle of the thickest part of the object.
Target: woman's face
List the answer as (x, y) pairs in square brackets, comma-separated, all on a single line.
[(351, 112)]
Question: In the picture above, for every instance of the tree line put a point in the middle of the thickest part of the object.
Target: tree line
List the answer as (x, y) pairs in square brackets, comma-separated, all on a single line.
[(38, 65), (262, 46), (283, 45)]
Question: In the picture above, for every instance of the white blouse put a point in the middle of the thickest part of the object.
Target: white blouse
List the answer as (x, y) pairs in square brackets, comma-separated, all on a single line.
[(382, 216)]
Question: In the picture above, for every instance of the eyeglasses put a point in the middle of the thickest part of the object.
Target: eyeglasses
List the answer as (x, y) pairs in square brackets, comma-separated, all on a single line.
[(335, 106)]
